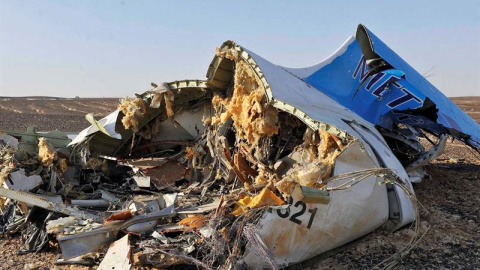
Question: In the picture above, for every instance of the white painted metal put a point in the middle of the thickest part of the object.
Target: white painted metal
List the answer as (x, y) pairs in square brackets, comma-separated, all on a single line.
[(108, 122), (118, 256), (320, 108), (350, 214)]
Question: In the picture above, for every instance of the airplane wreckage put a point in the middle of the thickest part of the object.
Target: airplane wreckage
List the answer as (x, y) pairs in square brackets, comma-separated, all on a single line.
[(259, 166)]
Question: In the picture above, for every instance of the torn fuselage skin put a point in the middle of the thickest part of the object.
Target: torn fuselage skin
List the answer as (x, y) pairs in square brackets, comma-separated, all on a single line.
[(324, 146)]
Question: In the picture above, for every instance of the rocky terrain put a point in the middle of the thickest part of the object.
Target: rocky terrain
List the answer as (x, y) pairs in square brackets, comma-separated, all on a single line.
[(450, 211), (49, 113)]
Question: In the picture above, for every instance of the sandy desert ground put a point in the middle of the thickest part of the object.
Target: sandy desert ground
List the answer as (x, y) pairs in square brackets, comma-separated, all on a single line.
[(49, 113), (450, 213)]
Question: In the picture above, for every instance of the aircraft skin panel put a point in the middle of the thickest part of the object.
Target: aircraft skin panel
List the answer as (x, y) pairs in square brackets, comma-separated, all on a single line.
[(399, 88)]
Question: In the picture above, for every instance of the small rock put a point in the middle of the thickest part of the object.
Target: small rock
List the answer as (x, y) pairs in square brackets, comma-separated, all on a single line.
[(408, 232), (29, 266), (423, 225), (447, 240)]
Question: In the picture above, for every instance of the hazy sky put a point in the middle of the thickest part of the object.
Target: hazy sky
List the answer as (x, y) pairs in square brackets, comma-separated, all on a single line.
[(116, 48)]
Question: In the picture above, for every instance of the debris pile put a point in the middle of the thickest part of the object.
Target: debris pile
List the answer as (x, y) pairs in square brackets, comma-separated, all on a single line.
[(252, 168), (183, 184)]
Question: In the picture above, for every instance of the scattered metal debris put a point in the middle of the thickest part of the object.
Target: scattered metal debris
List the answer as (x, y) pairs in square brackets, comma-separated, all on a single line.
[(259, 166), (118, 255)]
